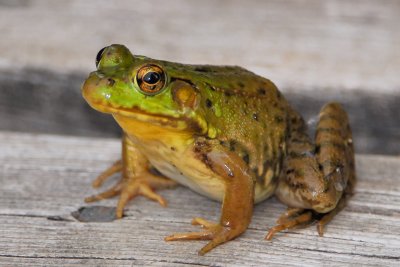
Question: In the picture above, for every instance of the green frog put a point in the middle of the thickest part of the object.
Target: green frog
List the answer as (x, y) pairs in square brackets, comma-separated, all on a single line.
[(225, 133)]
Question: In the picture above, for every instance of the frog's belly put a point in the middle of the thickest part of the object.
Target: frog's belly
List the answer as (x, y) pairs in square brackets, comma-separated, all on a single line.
[(204, 182), (197, 178), (187, 170)]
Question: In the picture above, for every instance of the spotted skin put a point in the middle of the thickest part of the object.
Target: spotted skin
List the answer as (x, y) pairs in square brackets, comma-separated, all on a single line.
[(223, 132), (319, 177)]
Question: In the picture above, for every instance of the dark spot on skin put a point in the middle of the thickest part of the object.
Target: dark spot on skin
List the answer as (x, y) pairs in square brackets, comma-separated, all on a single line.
[(298, 140), (208, 103), (232, 145), (226, 93), (173, 148), (202, 147), (289, 171), (261, 91), (212, 87), (297, 155), (278, 119), (110, 82), (255, 116), (246, 158), (320, 167), (336, 145), (202, 69), (297, 185)]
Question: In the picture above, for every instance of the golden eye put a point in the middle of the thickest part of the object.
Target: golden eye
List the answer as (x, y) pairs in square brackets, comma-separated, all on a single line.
[(150, 79)]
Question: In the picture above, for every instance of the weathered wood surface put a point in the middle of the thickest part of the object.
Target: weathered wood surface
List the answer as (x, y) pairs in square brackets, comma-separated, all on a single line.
[(45, 175)]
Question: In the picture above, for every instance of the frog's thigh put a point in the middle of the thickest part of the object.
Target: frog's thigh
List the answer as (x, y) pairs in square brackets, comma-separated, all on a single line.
[(318, 181)]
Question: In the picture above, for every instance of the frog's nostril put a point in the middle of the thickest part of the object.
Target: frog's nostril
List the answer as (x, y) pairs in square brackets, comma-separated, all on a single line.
[(110, 82)]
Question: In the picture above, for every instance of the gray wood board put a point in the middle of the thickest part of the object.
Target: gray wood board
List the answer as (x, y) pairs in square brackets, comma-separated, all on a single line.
[(47, 175)]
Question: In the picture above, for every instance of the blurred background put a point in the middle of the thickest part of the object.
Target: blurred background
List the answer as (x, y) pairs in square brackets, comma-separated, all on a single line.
[(315, 51)]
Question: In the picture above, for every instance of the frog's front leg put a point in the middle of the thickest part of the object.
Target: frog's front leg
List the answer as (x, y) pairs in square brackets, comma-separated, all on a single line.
[(136, 178), (317, 179), (237, 206)]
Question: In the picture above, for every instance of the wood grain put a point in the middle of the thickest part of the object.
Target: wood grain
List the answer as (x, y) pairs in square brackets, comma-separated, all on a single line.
[(45, 175)]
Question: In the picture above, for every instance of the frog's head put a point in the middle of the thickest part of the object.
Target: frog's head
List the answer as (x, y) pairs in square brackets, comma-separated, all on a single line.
[(143, 89)]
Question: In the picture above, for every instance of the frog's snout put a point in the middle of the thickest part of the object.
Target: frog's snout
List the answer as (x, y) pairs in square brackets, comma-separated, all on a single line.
[(91, 89)]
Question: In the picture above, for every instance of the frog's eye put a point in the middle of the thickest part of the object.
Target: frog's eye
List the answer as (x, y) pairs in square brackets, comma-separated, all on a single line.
[(99, 55), (150, 79)]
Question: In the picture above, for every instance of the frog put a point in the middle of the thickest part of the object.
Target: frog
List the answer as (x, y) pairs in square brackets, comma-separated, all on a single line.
[(225, 133)]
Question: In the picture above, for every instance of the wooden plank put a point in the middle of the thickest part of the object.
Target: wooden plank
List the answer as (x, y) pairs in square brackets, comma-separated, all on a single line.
[(45, 175)]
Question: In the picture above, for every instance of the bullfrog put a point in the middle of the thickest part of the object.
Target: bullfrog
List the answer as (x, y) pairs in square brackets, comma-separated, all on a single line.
[(227, 134)]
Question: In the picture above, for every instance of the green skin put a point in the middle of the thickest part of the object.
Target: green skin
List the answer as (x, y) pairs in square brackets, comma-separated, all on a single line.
[(241, 140)]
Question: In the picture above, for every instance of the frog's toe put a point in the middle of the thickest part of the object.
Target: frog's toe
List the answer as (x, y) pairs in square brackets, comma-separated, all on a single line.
[(133, 189), (113, 191), (327, 217), (294, 220), (215, 232), (203, 223), (209, 229), (116, 167)]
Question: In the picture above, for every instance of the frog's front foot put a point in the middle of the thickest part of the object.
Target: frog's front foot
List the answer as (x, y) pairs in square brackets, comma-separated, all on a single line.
[(131, 186), (215, 232)]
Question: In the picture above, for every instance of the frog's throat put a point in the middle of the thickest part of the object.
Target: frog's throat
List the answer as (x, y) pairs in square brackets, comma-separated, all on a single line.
[(176, 123)]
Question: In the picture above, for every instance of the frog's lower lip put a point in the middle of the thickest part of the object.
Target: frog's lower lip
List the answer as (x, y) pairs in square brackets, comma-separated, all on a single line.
[(138, 114)]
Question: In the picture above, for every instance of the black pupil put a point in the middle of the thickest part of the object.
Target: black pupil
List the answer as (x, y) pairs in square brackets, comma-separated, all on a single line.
[(151, 77), (98, 57)]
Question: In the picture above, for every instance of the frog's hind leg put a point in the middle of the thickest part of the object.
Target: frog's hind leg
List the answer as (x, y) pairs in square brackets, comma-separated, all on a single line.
[(317, 179)]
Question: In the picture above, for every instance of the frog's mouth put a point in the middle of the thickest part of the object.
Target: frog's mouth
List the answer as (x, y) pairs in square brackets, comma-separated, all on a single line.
[(135, 113)]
